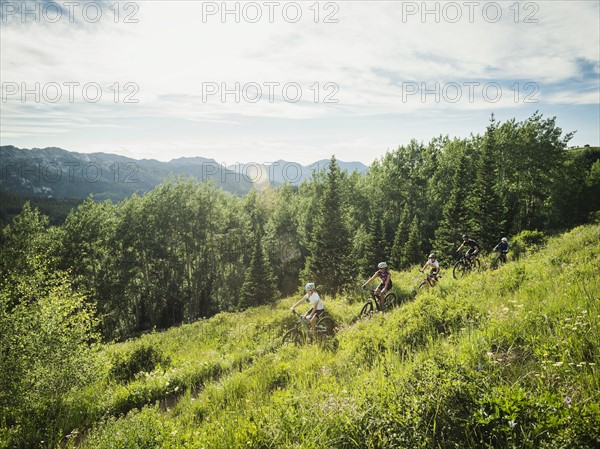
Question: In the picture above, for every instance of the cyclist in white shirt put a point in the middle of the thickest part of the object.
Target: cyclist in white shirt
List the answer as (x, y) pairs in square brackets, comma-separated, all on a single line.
[(435, 269), (317, 307)]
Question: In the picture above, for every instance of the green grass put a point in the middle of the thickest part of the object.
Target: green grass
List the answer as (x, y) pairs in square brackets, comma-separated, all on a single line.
[(504, 359)]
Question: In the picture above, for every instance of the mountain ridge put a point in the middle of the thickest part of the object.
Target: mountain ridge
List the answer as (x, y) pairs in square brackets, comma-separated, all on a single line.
[(54, 172)]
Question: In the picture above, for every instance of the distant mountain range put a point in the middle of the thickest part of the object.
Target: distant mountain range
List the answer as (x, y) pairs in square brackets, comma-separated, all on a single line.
[(280, 172), (57, 173)]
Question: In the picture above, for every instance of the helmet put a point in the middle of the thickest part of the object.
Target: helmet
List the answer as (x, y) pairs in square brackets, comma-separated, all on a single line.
[(381, 265), (504, 239), (465, 236), (432, 256), (309, 286)]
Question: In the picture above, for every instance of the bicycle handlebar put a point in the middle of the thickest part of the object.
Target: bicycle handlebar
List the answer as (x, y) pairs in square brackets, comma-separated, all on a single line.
[(299, 315)]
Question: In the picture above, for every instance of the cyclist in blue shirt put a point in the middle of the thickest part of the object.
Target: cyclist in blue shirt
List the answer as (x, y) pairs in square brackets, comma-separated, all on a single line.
[(502, 248)]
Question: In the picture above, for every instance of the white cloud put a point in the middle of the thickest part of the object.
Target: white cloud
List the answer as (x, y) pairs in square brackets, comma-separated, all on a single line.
[(373, 49)]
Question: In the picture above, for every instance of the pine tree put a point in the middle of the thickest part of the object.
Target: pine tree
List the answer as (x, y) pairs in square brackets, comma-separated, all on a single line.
[(362, 252), (329, 263), (259, 284), (398, 258), (412, 248), (380, 248), (490, 215), (456, 215)]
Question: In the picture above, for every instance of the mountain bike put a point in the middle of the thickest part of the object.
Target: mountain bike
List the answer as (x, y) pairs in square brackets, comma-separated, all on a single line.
[(372, 304), (499, 260), (301, 332), (465, 265), (430, 281)]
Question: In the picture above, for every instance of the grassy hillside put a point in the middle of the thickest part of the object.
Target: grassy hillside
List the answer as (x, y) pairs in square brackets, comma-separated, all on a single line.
[(504, 359)]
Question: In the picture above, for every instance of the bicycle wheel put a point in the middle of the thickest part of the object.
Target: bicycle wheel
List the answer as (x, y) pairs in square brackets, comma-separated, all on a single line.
[(423, 285), (325, 328), (367, 310), (294, 336), (390, 301), (500, 260), (476, 265), (458, 270), (497, 262)]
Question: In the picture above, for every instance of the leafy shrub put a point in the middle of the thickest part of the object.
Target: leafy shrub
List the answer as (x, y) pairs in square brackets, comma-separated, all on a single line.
[(140, 429), (509, 416), (527, 241), (143, 357)]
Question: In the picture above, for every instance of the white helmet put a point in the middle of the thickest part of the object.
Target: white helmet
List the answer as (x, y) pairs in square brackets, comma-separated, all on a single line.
[(432, 256), (504, 239), (381, 265), (309, 286)]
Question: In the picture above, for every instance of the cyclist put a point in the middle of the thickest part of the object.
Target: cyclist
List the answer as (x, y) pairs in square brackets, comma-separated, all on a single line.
[(435, 269), (473, 247), (502, 248), (386, 283), (317, 307)]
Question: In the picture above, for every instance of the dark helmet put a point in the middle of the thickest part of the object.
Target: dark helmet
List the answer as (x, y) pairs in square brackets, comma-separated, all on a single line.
[(465, 236)]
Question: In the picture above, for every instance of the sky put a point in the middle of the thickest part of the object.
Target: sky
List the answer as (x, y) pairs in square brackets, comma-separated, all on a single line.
[(243, 82)]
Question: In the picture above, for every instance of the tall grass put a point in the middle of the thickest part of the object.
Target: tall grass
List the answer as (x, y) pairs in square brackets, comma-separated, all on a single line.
[(502, 359)]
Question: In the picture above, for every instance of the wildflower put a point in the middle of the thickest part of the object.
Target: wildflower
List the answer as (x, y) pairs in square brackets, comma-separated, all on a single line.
[(479, 368), (568, 400)]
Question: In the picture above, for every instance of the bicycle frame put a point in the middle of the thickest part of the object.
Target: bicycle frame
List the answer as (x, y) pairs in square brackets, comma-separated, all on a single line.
[(389, 301), (303, 330), (501, 255), (373, 298), (431, 279), (470, 261), (465, 264), (302, 322)]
